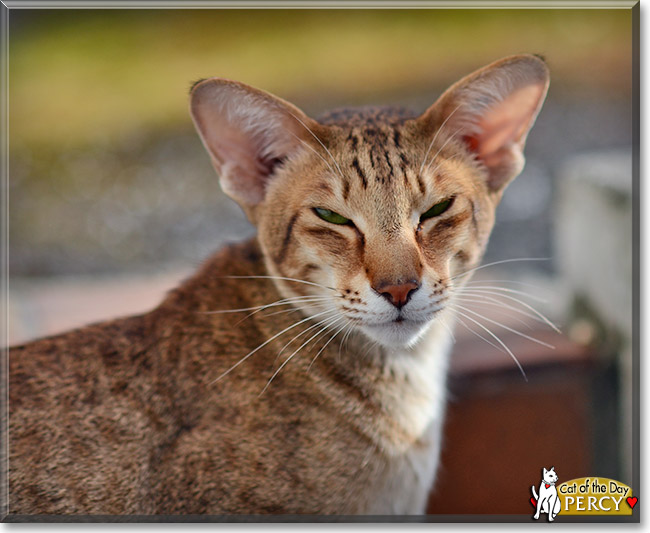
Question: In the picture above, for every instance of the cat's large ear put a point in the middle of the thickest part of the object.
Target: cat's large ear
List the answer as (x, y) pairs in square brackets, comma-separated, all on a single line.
[(248, 133), (492, 110)]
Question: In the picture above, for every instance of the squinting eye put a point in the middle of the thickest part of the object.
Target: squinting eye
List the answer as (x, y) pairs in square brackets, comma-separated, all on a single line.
[(437, 209), (331, 216)]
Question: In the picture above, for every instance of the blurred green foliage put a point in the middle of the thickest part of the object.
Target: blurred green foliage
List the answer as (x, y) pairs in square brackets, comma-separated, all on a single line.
[(78, 77)]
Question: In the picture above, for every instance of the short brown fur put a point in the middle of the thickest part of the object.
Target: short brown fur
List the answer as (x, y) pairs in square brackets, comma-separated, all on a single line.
[(166, 413)]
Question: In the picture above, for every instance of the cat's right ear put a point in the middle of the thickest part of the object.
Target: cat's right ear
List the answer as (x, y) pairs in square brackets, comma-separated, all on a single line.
[(248, 134)]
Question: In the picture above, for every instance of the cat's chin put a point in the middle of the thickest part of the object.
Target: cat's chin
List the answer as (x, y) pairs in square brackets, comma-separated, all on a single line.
[(403, 334)]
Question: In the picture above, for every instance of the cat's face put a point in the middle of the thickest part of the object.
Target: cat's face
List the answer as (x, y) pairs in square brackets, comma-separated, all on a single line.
[(549, 475), (387, 227), (377, 212)]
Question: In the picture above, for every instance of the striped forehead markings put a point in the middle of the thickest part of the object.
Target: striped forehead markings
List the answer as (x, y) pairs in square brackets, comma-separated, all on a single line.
[(360, 173), (380, 145)]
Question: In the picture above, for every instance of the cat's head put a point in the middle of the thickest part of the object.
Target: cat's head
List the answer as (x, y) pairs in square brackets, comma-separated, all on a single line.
[(376, 210), (549, 475)]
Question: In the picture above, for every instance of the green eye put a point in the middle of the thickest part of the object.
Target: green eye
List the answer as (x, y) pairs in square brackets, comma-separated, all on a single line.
[(437, 209), (331, 216)]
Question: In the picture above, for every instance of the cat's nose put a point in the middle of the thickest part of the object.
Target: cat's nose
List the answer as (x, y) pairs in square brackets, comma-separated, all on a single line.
[(398, 293)]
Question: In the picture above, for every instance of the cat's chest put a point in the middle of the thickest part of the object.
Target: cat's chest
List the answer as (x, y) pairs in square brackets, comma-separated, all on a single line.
[(413, 396), (410, 435)]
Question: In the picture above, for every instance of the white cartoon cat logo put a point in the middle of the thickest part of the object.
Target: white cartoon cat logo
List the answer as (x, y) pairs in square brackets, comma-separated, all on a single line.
[(547, 501)]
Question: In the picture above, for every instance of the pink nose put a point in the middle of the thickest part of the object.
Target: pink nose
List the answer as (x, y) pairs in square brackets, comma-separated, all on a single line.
[(397, 294)]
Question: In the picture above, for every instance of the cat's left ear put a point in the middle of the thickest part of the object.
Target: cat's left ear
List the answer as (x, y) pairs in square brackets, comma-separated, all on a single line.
[(492, 111)]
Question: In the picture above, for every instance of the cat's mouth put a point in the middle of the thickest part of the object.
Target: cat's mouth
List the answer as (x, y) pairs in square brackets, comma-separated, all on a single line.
[(400, 331)]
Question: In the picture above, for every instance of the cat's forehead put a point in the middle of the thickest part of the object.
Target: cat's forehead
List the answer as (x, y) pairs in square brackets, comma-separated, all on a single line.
[(368, 117), (380, 151), (372, 144)]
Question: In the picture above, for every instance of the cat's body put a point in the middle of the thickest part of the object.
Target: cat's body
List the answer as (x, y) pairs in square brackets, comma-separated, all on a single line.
[(190, 409), (547, 500), (195, 446)]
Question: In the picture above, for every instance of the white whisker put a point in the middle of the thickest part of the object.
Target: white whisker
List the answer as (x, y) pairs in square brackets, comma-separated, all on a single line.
[(316, 303), (486, 300), (319, 142), (285, 301), (345, 337), (325, 346), (481, 336), (511, 316), (479, 281), (516, 332), (424, 159), (451, 137), (497, 263), (517, 300), (282, 278), (478, 288), (335, 320), (498, 340), (315, 151), (319, 323), (446, 326), (294, 309), (265, 343), (371, 345)]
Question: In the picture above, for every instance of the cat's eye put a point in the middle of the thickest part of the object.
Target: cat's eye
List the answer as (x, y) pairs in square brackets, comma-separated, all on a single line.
[(437, 209), (331, 216)]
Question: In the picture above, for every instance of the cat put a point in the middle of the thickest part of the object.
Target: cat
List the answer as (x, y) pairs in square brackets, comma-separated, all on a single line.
[(369, 222), (547, 501)]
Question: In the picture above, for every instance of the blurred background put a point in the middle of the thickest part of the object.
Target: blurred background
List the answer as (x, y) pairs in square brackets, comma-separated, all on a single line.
[(113, 200)]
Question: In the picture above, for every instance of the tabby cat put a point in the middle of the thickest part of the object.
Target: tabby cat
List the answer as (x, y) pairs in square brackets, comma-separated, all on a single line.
[(302, 371)]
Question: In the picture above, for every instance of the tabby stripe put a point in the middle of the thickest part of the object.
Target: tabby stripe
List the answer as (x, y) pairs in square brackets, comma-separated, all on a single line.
[(403, 165), (287, 239), (420, 183), (324, 232), (390, 165), (370, 134), (350, 386), (355, 164), (308, 269), (346, 189), (372, 160), (361, 243), (404, 162), (331, 239), (474, 220), (452, 221), (396, 139), (353, 139), (462, 256), (325, 187)]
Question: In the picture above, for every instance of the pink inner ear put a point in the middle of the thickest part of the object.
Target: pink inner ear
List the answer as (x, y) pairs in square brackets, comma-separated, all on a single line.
[(506, 123)]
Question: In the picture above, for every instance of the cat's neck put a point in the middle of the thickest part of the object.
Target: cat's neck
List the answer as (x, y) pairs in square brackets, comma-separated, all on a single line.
[(421, 393), (408, 384)]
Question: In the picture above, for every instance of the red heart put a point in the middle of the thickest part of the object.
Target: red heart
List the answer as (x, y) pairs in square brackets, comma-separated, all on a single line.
[(632, 501), (546, 485), (534, 502)]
